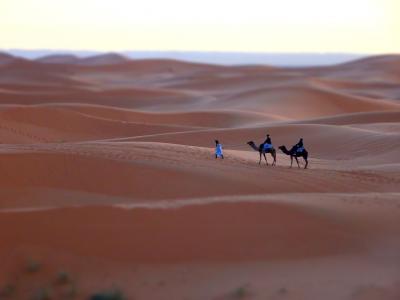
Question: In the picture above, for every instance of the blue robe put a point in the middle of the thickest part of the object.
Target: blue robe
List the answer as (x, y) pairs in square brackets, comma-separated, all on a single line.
[(218, 150)]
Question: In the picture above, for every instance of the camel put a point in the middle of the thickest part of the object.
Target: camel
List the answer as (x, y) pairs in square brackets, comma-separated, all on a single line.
[(293, 153), (260, 149)]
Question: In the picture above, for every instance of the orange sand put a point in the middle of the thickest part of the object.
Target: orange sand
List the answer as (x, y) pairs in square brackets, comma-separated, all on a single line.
[(107, 172)]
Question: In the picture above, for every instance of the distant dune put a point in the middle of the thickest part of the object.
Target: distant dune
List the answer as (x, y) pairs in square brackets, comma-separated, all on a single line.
[(108, 174), (224, 58), (104, 59), (97, 60), (5, 58), (381, 62), (59, 59)]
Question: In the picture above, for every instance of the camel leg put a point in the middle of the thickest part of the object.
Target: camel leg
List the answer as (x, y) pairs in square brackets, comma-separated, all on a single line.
[(260, 159), (265, 157), (306, 160), (274, 157), (298, 165), (291, 161)]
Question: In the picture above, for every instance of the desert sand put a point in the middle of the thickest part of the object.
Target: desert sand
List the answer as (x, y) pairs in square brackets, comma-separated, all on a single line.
[(108, 177)]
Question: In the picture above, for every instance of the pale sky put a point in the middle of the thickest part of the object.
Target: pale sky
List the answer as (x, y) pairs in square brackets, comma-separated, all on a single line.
[(358, 26)]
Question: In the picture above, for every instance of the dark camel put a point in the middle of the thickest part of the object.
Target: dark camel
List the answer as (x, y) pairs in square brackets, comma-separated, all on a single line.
[(293, 153), (262, 152)]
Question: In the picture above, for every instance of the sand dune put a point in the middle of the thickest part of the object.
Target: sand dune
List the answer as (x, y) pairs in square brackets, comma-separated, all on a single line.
[(108, 172), (231, 236), (55, 124), (382, 68), (305, 102), (357, 118), (58, 59), (207, 118), (221, 239), (6, 58), (139, 171), (322, 140), (377, 89), (129, 98), (97, 60), (385, 64), (385, 127), (103, 59)]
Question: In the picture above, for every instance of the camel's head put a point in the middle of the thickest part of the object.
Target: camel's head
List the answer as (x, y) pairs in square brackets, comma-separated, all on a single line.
[(250, 143), (282, 147)]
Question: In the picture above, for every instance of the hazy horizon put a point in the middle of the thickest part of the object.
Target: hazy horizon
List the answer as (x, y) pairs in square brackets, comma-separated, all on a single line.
[(213, 57)]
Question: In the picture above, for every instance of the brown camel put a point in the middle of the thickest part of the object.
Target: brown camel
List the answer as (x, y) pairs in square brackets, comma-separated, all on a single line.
[(260, 149)]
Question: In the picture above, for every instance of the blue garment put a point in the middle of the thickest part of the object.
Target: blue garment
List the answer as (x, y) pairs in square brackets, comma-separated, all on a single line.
[(267, 146), (300, 149), (218, 150)]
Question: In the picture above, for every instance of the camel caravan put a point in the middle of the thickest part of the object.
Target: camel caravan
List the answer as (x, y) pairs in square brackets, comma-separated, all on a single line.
[(296, 151)]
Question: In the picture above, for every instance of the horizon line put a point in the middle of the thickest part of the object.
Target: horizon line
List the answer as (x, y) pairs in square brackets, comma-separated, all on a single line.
[(197, 51)]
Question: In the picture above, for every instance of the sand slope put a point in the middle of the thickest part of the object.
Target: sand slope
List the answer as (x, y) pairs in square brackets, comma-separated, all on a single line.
[(108, 173)]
